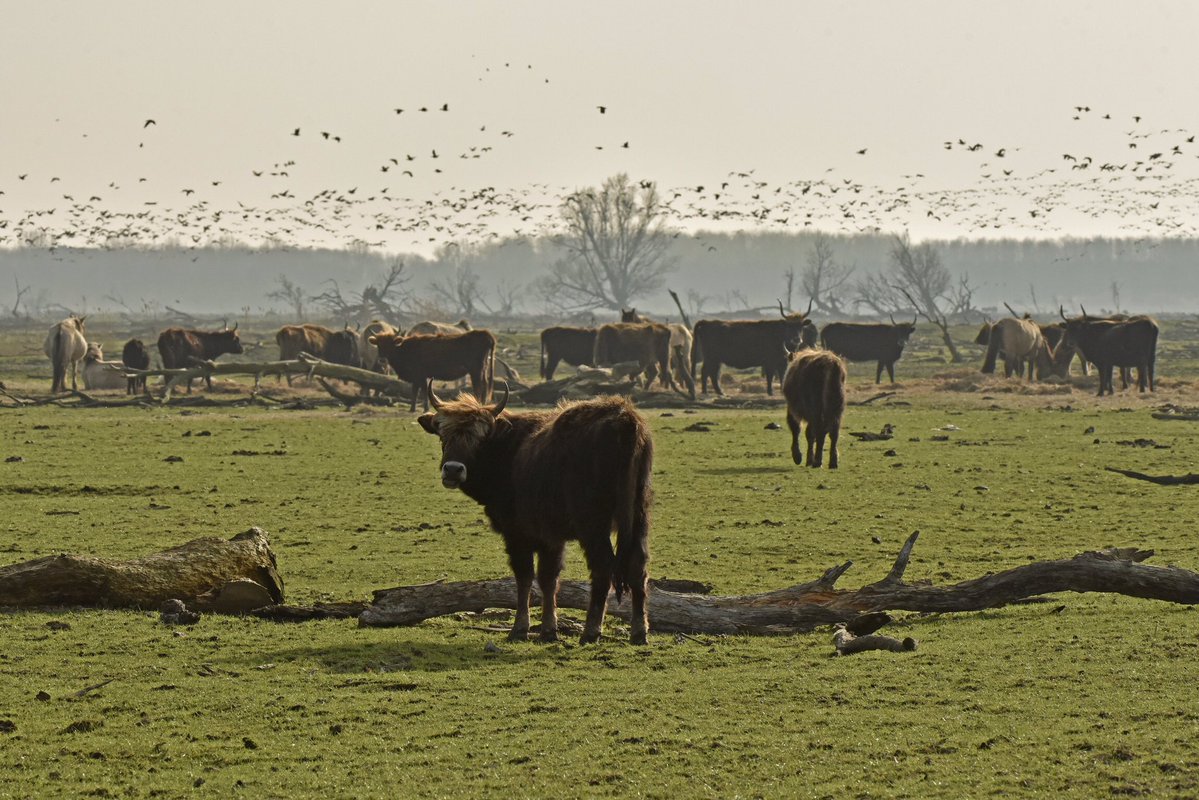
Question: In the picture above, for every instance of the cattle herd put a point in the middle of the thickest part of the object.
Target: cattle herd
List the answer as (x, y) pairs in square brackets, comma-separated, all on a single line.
[(583, 469)]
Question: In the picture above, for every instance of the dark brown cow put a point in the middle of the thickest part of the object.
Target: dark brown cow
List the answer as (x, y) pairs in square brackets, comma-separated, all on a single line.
[(575, 346), (181, 347), (815, 390), (422, 358), (746, 343), (1108, 343), (336, 347), (646, 343), (134, 356), (880, 343), (548, 477)]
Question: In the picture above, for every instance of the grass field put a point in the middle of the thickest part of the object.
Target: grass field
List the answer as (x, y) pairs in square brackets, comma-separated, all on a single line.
[(1093, 700)]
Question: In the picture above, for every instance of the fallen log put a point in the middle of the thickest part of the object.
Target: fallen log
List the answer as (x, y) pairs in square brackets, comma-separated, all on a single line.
[(205, 573), (1190, 479), (818, 603)]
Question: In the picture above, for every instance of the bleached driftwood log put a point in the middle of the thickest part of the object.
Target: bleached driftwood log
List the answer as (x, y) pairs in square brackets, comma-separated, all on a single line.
[(818, 603), (208, 574)]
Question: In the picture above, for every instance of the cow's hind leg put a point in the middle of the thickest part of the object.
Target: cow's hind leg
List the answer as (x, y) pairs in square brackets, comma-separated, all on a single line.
[(520, 557), (597, 547), (794, 425), (550, 560), (834, 434), (815, 445)]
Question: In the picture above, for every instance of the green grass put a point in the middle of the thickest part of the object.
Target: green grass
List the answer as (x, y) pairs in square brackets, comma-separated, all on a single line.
[(1093, 701)]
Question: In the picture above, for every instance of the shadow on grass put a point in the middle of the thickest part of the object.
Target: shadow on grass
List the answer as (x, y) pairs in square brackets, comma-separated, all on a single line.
[(756, 470)]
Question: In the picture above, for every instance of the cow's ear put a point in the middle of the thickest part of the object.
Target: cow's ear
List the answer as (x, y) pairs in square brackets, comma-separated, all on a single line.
[(428, 422), (373, 340)]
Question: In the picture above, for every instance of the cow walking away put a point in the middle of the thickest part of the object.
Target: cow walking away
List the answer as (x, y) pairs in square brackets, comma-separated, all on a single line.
[(648, 344), (855, 341), (743, 344), (1108, 343), (181, 348), (814, 387), (65, 347), (548, 477), (420, 359), (575, 346), (1020, 341), (134, 356)]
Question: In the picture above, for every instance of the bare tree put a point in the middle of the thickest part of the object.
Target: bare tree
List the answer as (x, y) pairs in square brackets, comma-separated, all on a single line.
[(383, 299), (1115, 297), (918, 275), (824, 277), (615, 244), (460, 290), (21, 292), (291, 294)]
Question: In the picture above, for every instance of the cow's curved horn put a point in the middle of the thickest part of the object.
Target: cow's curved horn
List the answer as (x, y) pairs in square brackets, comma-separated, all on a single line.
[(433, 398), (234, 328), (1084, 310), (809, 311), (498, 407), (892, 316), (1062, 310), (782, 313)]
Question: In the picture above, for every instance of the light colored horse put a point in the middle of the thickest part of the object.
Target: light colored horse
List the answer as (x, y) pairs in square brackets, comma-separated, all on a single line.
[(1019, 340), (370, 353), (101, 374), (65, 347)]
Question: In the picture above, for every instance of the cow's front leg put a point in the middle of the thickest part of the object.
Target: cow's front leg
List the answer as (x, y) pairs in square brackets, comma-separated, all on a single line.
[(549, 567), (520, 557)]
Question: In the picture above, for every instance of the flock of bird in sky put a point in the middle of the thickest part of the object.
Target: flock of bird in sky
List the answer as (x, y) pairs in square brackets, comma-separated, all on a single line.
[(1138, 187)]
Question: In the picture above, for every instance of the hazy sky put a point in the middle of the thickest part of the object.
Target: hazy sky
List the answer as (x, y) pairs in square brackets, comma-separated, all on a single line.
[(698, 90)]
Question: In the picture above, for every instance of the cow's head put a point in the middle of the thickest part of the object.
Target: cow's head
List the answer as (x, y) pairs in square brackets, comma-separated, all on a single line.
[(629, 315), (463, 425), (903, 330), (228, 340)]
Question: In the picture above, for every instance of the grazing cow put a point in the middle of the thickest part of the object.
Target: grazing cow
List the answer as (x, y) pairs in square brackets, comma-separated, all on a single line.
[(181, 348), (869, 342), (101, 374), (336, 347), (1020, 341), (134, 356), (65, 347), (1110, 343), (746, 343), (814, 387), (371, 359), (575, 346), (646, 343), (421, 358), (429, 327), (548, 477)]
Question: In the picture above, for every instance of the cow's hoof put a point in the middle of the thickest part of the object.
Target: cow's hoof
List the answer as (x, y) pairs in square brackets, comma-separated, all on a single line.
[(518, 635), (638, 637), (589, 638), (549, 636)]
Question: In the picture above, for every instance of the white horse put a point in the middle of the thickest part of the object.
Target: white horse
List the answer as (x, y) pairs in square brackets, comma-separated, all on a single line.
[(101, 374), (65, 347)]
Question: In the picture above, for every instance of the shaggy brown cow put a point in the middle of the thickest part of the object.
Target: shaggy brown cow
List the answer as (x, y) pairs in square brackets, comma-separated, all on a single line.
[(548, 477), (646, 343), (815, 390), (1108, 343), (422, 358), (134, 356), (181, 347), (336, 347), (575, 346)]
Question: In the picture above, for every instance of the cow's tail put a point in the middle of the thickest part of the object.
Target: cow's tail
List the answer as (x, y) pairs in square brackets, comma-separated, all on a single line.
[(697, 354), (992, 354), (632, 522), (58, 358), (543, 359)]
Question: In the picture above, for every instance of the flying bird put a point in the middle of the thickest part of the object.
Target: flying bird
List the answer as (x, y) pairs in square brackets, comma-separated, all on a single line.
[(296, 132), (602, 109), (148, 123), (862, 152)]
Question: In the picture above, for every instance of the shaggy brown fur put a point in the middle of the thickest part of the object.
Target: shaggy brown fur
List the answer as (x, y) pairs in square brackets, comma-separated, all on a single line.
[(815, 390), (646, 343), (548, 477), (443, 357), (180, 348), (575, 346)]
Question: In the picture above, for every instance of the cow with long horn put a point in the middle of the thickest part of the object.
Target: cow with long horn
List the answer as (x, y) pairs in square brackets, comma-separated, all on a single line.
[(548, 477)]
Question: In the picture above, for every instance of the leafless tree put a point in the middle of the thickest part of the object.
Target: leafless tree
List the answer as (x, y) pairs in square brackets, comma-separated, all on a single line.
[(615, 244), (21, 292), (384, 299), (290, 294), (824, 277), (1115, 297), (920, 278), (459, 290)]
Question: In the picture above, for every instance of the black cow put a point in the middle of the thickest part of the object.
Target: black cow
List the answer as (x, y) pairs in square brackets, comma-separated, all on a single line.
[(1110, 343), (548, 477), (855, 341), (646, 343), (181, 347), (747, 343), (575, 346), (134, 356)]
